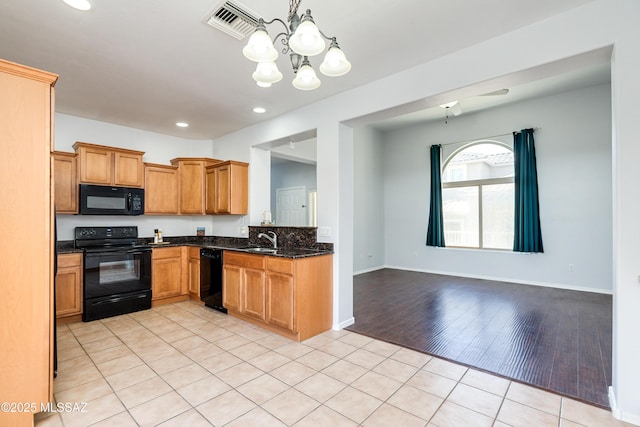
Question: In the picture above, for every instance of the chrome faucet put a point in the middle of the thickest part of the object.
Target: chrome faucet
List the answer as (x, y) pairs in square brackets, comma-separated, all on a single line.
[(273, 240)]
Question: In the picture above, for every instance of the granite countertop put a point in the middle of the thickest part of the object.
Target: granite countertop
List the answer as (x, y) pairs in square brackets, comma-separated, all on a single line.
[(245, 248), (225, 243), (284, 252)]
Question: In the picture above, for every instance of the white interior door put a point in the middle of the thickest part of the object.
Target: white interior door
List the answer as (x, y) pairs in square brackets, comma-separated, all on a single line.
[(291, 206)]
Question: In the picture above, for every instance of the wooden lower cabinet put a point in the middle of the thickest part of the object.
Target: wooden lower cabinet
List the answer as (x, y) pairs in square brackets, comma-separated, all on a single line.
[(280, 303), (232, 278), (293, 297), (69, 285), (169, 281), (246, 282), (194, 272), (253, 291)]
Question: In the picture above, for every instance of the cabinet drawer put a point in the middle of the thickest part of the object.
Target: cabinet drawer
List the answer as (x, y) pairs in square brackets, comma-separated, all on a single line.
[(280, 265), (244, 260), (70, 260), (172, 252)]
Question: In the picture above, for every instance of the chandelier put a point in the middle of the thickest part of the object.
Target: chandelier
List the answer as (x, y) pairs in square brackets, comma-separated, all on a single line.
[(301, 39)]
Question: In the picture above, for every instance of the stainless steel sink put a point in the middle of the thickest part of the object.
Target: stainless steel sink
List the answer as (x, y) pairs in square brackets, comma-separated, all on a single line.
[(260, 250)]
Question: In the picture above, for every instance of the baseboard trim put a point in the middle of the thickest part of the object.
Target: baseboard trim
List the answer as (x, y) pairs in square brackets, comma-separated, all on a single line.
[(612, 403), (618, 414), (369, 270), (504, 279), (344, 324)]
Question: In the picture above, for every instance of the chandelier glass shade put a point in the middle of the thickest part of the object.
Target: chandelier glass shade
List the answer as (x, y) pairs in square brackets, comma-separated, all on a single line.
[(306, 78), (267, 73), (260, 48), (301, 39), (335, 63), (306, 40)]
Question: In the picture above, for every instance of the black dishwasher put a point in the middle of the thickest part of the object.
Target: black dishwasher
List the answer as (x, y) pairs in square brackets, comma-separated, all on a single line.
[(211, 278)]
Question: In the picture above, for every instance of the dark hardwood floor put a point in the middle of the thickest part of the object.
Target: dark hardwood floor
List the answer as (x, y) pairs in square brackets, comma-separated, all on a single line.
[(554, 339)]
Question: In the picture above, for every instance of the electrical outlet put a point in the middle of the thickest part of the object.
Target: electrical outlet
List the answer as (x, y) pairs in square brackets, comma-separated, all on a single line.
[(324, 231), (571, 268), (244, 230)]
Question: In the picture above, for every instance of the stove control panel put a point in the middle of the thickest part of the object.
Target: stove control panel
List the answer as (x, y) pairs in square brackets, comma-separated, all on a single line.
[(95, 233)]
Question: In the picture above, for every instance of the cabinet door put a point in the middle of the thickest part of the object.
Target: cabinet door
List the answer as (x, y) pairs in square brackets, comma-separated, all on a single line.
[(166, 277), (232, 282), (191, 187), (222, 186), (238, 193), (65, 182), (227, 188), (253, 290), (211, 193), (194, 272), (69, 285), (161, 189), (280, 302), (96, 165), (128, 169)]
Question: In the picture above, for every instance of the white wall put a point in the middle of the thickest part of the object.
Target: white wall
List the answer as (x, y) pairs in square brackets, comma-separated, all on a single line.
[(286, 174), (368, 200), (546, 46), (573, 149), (158, 149)]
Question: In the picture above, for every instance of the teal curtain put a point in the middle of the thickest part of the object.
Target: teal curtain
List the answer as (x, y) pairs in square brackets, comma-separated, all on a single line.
[(527, 234), (435, 231)]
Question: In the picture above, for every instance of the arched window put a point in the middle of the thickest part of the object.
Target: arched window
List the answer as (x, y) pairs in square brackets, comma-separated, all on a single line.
[(477, 196)]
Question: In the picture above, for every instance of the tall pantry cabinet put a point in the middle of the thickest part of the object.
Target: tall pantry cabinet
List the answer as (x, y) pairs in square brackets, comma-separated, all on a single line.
[(27, 248)]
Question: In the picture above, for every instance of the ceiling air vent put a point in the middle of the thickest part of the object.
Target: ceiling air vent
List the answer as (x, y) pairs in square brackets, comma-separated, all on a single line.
[(234, 19)]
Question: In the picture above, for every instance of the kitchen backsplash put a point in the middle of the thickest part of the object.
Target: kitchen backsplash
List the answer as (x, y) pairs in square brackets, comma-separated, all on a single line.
[(289, 237)]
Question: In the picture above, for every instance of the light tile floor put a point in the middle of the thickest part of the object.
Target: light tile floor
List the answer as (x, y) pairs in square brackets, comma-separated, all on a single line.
[(186, 365)]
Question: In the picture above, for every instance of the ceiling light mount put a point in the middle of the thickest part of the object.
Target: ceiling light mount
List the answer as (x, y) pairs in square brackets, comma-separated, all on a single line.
[(301, 39), (453, 107), (82, 5)]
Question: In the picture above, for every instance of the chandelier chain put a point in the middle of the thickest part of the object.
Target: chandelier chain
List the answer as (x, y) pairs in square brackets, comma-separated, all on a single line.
[(293, 8)]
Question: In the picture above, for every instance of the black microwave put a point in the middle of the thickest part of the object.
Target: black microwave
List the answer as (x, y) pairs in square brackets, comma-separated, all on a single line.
[(107, 200)]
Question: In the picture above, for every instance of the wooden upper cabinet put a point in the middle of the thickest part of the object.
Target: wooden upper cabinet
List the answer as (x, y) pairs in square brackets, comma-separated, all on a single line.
[(191, 183), (227, 188), (128, 169), (65, 182), (109, 165), (160, 189)]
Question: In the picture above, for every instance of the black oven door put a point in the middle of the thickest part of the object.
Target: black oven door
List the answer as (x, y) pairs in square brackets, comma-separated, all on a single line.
[(116, 281)]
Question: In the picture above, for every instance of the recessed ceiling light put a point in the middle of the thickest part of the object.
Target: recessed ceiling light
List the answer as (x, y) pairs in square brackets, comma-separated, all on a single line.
[(182, 125), (79, 4), (259, 110)]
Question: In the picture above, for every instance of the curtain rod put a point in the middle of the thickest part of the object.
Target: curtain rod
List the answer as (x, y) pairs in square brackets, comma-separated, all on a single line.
[(484, 137)]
